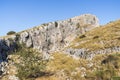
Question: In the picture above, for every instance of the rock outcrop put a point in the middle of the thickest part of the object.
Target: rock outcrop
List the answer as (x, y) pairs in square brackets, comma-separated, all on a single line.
[(49, 37), (6, 47), (85, 53), (56, 35)]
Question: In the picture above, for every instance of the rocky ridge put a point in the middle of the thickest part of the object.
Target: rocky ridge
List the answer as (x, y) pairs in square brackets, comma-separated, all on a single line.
[(53, 37)]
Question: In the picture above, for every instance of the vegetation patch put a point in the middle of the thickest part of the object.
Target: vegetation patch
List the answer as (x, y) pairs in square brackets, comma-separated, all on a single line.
[(11, 32), (107, 67), (31, 63)]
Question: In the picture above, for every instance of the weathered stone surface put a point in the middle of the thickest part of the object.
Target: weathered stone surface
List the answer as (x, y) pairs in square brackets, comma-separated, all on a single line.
[(85, 53), (77, 53), (50, 37), (56, 35), (13, 77), (6, 46), (86, 21), (3, 67)]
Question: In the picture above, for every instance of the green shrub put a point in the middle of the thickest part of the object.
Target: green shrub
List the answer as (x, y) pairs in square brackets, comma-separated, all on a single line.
[(82, 36), (11, 32), (31, 65), (95, 37)]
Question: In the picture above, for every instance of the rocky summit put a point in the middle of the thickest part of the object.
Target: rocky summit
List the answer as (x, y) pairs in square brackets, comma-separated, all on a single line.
[(73, 49)]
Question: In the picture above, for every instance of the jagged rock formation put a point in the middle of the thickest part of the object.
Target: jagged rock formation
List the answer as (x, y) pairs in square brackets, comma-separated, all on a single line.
[(85, 53), (6, 47), (56, 35)]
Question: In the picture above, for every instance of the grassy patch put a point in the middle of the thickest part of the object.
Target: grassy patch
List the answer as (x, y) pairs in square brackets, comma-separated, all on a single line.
[(100, 37), (66, 64), (63, 61)]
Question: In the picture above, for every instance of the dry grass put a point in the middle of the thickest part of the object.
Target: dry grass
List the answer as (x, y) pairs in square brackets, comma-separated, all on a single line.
[(64, 67), (63, 61), (100, 37)]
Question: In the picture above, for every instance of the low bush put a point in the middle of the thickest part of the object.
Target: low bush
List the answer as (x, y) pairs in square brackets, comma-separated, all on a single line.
[(82, 36), (95, 37), (11, 32), (31, 65)]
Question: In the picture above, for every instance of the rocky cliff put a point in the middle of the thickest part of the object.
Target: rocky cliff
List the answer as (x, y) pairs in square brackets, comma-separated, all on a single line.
[(50, 37), (56, 35)]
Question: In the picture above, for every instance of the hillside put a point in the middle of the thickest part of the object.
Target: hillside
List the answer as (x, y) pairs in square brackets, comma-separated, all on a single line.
[(73, 49), (101, 40), (106, 36), (93, 55)]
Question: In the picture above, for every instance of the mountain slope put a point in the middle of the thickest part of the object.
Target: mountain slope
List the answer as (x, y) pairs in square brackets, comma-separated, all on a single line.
[(104, 65), (74, 49), (100, 38), (50, 37)]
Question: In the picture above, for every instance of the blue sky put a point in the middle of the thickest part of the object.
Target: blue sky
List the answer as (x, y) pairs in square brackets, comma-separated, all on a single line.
[(18, 15)]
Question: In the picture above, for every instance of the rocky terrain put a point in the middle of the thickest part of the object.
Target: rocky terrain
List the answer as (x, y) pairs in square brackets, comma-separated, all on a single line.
[(52, 36), (76, 41)]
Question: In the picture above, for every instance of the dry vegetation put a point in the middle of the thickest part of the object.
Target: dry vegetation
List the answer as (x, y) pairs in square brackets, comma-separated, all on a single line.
[(99, 38), (101, 67)]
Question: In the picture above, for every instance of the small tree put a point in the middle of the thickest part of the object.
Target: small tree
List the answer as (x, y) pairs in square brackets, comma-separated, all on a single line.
[(11, 32)]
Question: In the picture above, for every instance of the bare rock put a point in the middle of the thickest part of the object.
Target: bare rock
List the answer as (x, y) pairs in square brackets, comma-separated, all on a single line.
[(55, 36), (50, 37)]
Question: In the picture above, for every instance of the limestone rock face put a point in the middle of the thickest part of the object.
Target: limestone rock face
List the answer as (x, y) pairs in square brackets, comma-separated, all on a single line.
[(50, 37), (55, 36)]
